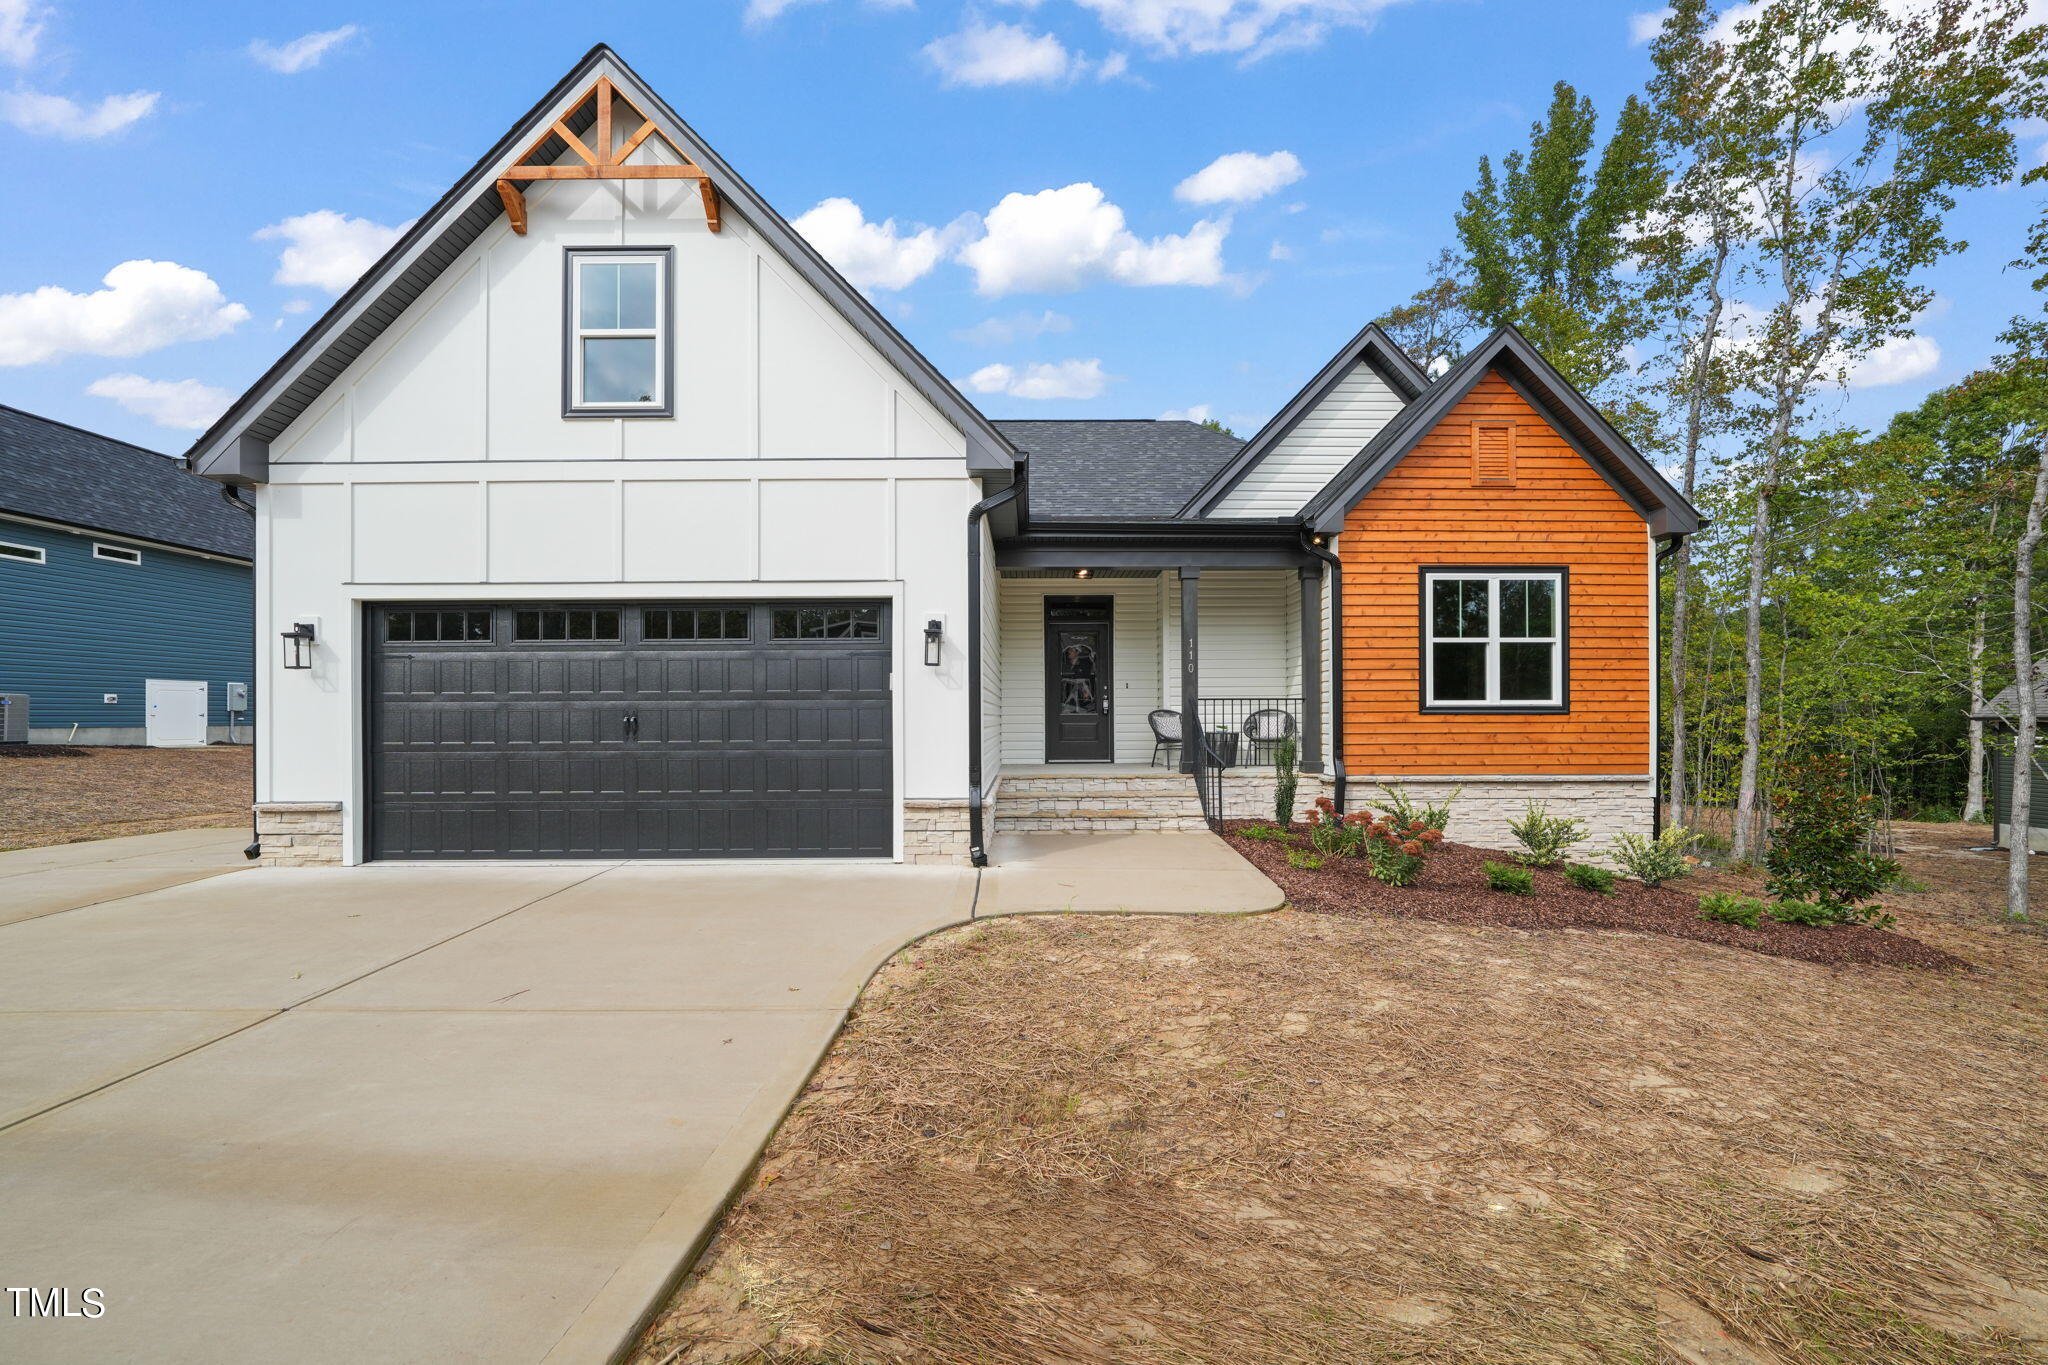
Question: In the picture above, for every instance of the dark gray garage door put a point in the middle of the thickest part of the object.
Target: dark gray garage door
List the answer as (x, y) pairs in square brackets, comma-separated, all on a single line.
[(635, 730)]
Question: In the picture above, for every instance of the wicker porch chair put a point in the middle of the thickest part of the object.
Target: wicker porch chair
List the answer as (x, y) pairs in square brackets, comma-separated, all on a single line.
[(1165, 725)]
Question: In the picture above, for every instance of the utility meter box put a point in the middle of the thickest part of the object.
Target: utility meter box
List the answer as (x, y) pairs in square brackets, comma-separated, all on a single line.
[(13, 717), (238, 696)]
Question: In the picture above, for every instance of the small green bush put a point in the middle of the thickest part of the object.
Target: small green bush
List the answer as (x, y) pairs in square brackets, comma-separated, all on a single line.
[(1268, 832), (1654, 862), (1516, 881), (1806, 914), (1727, 907), (1904, 882), (1302, 858), (1546, 838), (1820, 850), (1286, 780), (1586, 877), (1406, 811)]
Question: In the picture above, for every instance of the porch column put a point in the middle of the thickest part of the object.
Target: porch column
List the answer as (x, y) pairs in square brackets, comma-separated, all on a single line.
[(1190, 670), (1311, 668)]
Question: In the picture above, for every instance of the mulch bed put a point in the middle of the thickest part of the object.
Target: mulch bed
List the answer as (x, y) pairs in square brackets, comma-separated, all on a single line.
[(1453, 889), (41, 751)]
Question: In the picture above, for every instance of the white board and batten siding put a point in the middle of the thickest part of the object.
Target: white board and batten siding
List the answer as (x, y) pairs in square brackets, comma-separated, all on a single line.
[(439, 466), (1300, 463)]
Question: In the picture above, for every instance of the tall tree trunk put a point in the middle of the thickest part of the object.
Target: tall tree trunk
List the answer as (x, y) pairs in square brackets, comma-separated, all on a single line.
[(2020, 810), (1973, 790), (1681, 562), (1753, 635)]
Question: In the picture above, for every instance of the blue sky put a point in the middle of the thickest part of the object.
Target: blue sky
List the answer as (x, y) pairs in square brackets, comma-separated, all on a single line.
[(255, 154)]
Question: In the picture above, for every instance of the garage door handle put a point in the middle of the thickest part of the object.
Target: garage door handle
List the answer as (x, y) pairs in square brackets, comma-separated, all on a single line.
[(633, 724)]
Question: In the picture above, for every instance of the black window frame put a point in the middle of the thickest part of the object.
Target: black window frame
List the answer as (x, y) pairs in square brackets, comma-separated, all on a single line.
[(776, 611), (665, 339), (412, 610), (1559, 707), (567, 610), (669, 611)]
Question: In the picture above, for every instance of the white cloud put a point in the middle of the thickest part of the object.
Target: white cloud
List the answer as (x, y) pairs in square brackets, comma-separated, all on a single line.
[(1059, 240), (1060, 379), (185, 404), (1280, 251), (328, 250), (1000, 54), (300, 54), (1644, 26), (1111, 67), (145, 304), (871, 255), (1252, 28), (1200, 412), (293, 306), (1895, 362), (1239, 178), (56, 116), (21, 25), (1020, 327)]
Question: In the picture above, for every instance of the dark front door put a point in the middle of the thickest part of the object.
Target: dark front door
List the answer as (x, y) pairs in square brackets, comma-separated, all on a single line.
[(630, 729), (1078, 678)]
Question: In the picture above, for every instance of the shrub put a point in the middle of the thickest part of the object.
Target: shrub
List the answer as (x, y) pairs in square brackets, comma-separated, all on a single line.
[(1302, 858), (1286, 781), (1806, 914), (1820, 849), (1396, 852), (1335, 834), (1654, 862), (1726, 907), (1403, 808), (1589, 878), (1545, 838), (1273, 833), (1516, 881)]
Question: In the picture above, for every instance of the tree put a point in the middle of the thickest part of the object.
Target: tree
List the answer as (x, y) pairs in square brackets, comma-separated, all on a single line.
[(1216, 425), (1544, 242), (2020, 807), (1847, 127), (1433, 324)]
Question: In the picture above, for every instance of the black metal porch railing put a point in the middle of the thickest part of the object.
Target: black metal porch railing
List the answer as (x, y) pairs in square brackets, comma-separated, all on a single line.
[(1231, 745)]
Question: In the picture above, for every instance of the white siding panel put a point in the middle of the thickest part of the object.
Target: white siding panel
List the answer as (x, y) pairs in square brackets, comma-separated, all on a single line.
[(422, 398), (525, 360), (701, 530), (324, 438), (824, 529), (1134, 657), (1251, 631), (819, 396), (714, 330), (1320, 445), (936, 562), (419, 532), (552, 531), (305, 559)]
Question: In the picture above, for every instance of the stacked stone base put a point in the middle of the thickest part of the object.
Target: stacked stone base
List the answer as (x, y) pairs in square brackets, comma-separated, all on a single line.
[(1109, 803), (299, 833), (1607, 806), (1252, 793), (936, 832)]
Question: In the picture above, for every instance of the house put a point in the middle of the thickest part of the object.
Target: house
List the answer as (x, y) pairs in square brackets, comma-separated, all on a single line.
[(602, 518), (2002, 715), (126, 596)]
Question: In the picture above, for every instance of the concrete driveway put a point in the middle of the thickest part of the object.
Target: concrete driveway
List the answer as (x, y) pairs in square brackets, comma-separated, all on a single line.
[(434, 1113)]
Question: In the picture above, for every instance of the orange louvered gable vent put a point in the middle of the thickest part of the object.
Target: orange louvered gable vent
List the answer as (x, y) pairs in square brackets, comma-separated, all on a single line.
[(1493, 454)]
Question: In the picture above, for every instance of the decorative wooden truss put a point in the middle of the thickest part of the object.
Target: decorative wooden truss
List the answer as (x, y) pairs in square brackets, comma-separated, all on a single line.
[(604, 163)]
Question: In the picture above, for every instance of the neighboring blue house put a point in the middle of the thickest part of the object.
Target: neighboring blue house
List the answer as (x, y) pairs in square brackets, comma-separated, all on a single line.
[(118, 568)]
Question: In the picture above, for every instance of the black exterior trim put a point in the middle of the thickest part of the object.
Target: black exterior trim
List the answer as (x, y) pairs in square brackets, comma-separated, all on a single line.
[(666, 361), (1561, 707)]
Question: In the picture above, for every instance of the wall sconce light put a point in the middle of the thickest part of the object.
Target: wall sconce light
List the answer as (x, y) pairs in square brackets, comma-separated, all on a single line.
[(298, 645), (934, 632), (1084, 573), (1315, 540)]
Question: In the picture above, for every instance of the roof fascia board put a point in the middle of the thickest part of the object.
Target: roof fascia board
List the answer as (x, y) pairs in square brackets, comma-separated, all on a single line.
[(987, 450), (1370, 345), (1549, 414)]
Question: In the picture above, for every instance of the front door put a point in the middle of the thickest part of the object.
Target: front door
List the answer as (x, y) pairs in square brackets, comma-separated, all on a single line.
[(1078, 680)]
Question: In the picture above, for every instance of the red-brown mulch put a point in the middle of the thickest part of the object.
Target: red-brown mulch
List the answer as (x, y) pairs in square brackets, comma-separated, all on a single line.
[(1453, 889), (41, 751)]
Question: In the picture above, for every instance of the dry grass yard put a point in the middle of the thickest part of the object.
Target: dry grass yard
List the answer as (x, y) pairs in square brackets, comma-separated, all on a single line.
[(50, 794), (1321, 1138)]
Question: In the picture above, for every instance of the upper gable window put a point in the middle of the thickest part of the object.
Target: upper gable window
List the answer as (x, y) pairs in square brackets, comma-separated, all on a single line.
[(618, 344)]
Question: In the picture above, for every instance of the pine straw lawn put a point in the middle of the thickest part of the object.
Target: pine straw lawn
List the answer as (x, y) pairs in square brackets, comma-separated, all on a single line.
[(1319, 1138), (50, 794)]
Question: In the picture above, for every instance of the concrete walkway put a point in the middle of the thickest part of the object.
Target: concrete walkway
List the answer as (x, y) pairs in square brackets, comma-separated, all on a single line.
[(441, 1113)]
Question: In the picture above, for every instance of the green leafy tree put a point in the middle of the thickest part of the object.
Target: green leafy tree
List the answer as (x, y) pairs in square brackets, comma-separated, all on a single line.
[(1433, 325)]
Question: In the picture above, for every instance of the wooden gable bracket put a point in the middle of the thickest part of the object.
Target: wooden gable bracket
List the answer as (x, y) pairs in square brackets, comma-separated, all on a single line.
[(605, 163)]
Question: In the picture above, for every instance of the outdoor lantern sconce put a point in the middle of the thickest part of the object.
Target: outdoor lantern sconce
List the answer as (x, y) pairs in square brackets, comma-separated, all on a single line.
[(934, 632), (298, 645)]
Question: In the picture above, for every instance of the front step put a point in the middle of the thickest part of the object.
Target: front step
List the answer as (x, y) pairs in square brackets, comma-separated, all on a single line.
[(1082, 803)]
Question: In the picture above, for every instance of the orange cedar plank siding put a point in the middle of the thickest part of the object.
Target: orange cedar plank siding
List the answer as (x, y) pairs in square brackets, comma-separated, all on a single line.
[(1426, 513)]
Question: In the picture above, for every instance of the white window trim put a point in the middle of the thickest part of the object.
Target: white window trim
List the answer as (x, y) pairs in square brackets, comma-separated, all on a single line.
[(1493, 639), (36, 553), (575, 333), (119, 554)]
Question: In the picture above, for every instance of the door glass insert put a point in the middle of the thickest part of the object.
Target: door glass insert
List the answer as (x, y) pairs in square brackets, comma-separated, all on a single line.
[(1079, 680)]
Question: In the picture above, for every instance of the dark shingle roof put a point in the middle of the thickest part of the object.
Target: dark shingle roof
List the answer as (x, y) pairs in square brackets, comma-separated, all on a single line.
[(1135, 469), (59, 473)]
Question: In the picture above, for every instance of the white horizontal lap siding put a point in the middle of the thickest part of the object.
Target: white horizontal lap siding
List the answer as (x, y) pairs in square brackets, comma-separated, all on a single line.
[(1134, 658), (1319, 446), (1250, 634)]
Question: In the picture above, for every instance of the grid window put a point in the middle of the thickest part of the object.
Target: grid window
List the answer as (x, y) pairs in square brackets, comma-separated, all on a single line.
[(618, 323), (828, 623), (693, 623), (566, 623), (27, 554), (437, 627), (1494, 639)]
